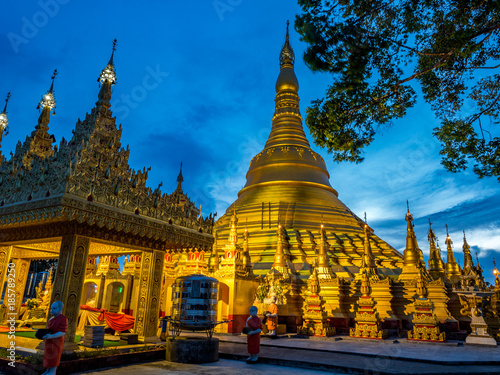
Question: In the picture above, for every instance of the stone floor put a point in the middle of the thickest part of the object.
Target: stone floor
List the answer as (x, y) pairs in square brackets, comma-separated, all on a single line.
[(222, 367), (294, 355), (337, 355)]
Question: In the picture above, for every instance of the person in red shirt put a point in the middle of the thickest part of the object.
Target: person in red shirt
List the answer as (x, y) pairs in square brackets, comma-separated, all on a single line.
[(272, 317), (58, 324), (253, 336)]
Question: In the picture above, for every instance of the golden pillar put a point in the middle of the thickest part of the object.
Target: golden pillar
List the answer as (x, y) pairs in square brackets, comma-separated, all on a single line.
[(5, 252), (21, 269), (68, 281), (146, 319)]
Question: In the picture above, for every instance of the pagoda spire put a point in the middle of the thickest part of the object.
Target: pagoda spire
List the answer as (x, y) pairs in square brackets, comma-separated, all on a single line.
[(233, 234), (106, 79), (279, 256), (452, 268), (213, 261), (180, 179), (287, 121), (413, 262), (368, 260), (245, 254), (4, 123), (436, 264), (496, 273), (47, 104), (411, 252), (468, 262), (323, 262), (322, 256)]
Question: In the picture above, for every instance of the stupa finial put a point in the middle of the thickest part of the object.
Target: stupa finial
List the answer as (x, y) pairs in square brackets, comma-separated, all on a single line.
[(4, 122), (48, 99), (108, 73), (287, 56), (180, 179)]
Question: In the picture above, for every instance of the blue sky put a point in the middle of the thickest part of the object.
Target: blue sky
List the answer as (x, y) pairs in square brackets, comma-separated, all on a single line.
[(196, 84)]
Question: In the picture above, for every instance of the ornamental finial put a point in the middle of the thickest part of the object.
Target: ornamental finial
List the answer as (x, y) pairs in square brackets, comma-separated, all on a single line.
[(108, 73), (4, 122), (287, 56), (48, 99), (409, 216)]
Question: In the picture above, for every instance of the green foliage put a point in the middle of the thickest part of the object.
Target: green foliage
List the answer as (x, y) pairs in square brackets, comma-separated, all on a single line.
[(374, 49), (262, 291), (32, 303), (97, 353), (34, 359)]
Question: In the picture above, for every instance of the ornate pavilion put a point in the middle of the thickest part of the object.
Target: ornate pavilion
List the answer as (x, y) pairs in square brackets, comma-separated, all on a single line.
[(286, 236), (81, 200)]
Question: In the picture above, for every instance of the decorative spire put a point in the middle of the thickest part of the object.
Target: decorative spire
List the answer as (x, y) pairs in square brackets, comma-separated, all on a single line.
[(279, 256), (180, 179), (287, 56), (4, 122), (452, 268), (411, 252), (48, 100), (108, 73), (436, 264), (365, 285), (421, 289), (233, 233), (468, 263), (247, 261), (368, 264), (322, 256), (323, 261), (213, 261), (496, 273)]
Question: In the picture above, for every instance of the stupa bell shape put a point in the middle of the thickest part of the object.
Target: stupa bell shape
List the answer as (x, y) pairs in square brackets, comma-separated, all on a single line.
[(287, 183)]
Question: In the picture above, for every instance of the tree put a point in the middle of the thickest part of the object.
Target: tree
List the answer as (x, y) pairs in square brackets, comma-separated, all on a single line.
[(376, 49)]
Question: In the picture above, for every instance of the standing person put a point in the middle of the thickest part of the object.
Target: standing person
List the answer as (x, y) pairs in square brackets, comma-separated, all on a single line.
[(253, 336), (272, 317), (58, 324)]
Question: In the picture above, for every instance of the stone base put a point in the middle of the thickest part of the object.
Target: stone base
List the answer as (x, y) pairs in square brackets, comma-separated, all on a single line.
[(129, 338), (192, 350), (151, 340), (480, 340), (280, 329)]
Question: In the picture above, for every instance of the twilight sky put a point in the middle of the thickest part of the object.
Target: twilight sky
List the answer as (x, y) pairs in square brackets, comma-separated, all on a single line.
[(196, 84)]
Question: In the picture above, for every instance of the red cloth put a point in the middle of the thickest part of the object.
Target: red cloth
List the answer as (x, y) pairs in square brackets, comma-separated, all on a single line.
[(272, 321), (253, 341), (54, 347), (117, 322)]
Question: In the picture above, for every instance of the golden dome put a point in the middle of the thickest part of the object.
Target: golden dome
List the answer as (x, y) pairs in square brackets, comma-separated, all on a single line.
[(287, 80)]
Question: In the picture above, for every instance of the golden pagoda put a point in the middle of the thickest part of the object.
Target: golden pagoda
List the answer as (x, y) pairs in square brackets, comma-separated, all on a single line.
[(288, 188)]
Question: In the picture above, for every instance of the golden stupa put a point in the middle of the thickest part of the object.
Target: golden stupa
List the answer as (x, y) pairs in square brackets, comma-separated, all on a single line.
[(288, 188)]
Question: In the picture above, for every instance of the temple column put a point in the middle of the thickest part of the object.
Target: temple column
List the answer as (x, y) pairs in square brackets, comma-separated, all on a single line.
[(148, 307), (21, 269), (5, 252), (68, 281)]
